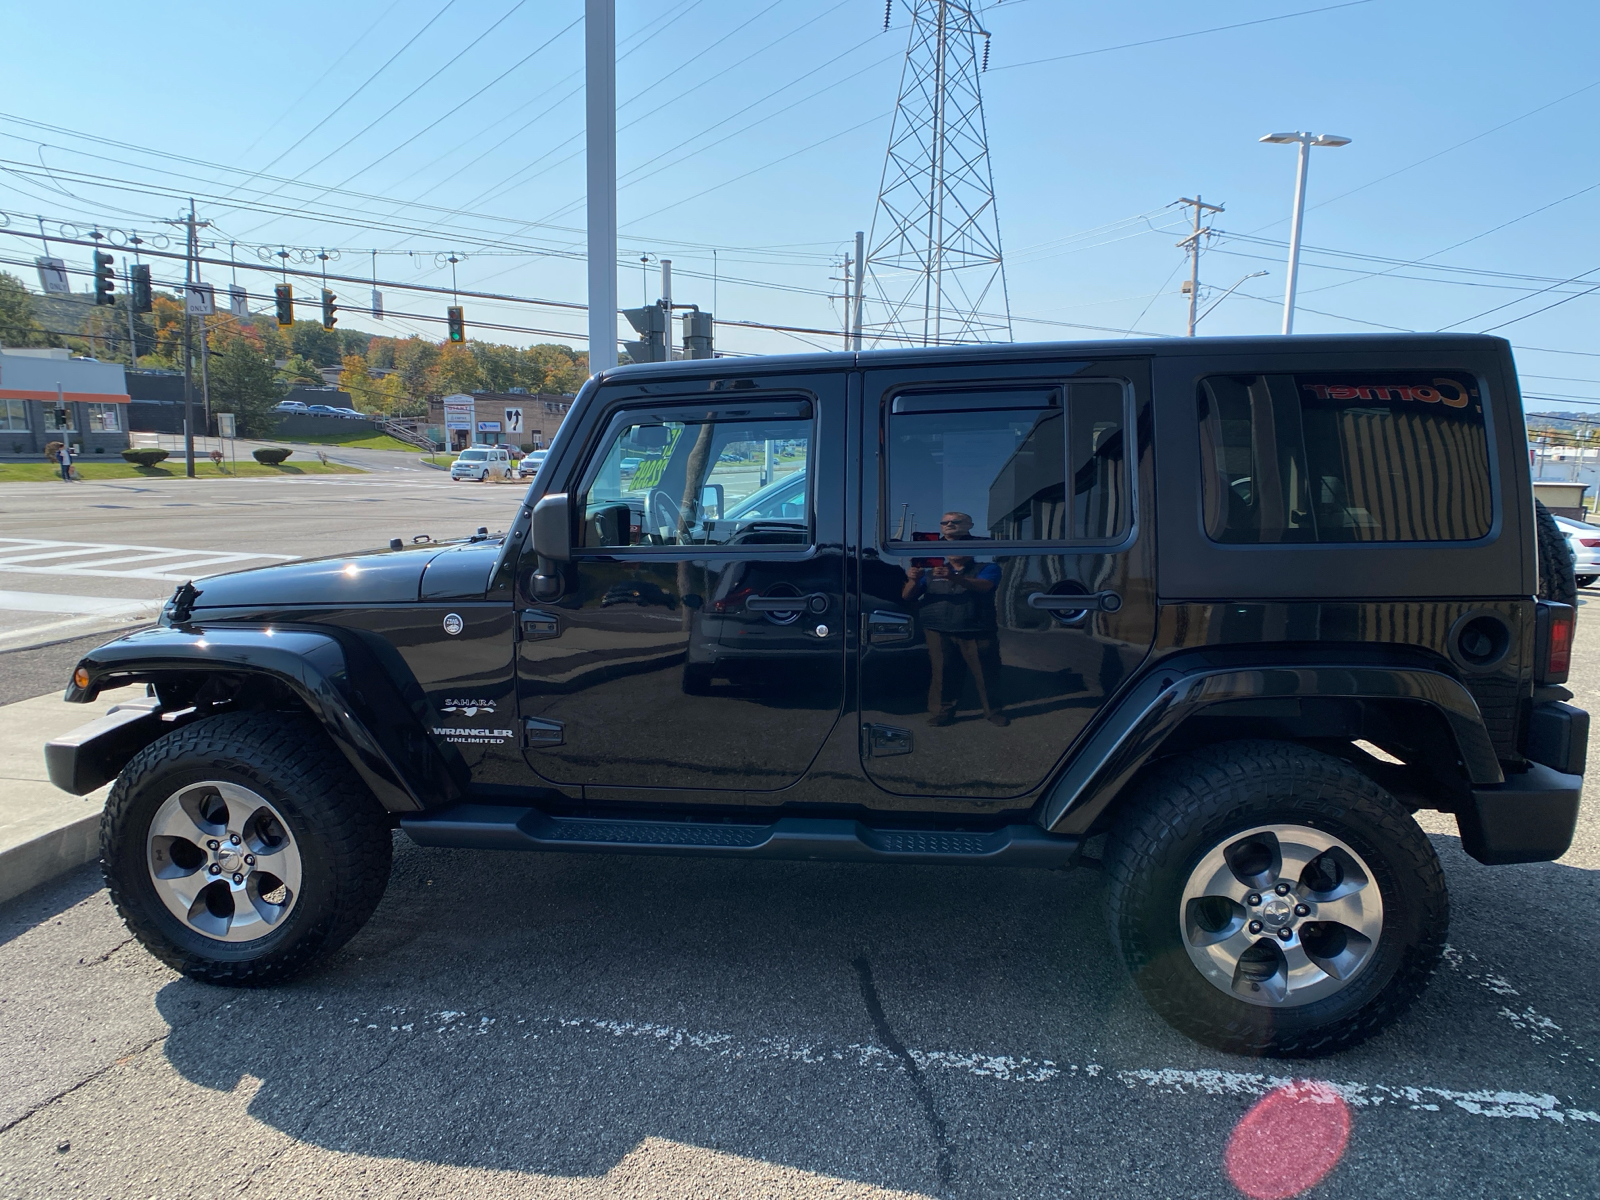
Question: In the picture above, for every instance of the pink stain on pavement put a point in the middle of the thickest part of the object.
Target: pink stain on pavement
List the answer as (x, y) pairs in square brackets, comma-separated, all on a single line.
[(1288, 1141)]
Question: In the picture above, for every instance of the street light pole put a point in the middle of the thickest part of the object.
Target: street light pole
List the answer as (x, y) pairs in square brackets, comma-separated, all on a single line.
[(600, 101), (1305, 142)]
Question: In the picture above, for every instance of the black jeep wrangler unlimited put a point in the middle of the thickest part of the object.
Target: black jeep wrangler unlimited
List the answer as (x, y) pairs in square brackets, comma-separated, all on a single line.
[(1220, 613)]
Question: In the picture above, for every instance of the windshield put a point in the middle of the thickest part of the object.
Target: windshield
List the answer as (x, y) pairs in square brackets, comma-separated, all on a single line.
[(473, 456)]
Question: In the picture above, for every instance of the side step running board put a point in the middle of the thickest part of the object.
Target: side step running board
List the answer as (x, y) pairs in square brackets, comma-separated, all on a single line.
[(490, 827)]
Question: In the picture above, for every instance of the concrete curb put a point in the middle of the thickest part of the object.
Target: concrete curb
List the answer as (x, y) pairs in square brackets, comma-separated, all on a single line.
[(48, 855)]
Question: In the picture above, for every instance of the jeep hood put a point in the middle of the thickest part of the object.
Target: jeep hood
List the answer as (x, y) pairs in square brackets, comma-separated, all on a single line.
[(436, 571)]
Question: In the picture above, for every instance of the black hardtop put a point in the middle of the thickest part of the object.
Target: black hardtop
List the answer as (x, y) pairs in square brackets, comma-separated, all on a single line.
[(1276, 346)]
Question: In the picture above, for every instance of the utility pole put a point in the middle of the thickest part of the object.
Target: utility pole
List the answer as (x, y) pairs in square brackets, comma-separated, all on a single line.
[(666, 306), (847, 310), (600, 131), (127, 296), (188, 365), (1192, 244), (861, 275)]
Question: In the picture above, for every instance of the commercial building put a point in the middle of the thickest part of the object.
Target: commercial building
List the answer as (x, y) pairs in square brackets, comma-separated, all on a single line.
[(49, 396), (525, 419)]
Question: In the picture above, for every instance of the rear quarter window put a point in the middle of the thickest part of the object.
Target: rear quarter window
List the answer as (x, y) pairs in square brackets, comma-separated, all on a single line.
[(1391, 456)]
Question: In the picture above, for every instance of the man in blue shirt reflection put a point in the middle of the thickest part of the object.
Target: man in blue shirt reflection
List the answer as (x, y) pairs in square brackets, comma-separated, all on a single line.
[(955, 603)]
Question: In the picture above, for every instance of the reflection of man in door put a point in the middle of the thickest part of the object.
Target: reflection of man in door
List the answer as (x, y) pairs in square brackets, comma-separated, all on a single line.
[(955, 602)]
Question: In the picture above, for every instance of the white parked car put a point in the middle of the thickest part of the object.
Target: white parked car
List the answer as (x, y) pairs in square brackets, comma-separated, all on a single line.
[(289, 406), (482, 463), (531, 462), (1585, 543)]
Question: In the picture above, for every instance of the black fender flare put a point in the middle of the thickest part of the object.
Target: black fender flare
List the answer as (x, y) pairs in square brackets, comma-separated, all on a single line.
[(1164, 699), (312, 664)]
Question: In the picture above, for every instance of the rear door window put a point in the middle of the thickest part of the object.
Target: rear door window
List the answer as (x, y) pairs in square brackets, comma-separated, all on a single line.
[(1381, 456), (1042, 464)]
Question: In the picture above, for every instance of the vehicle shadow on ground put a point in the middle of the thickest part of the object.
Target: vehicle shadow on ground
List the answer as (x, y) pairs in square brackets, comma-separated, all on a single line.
[(905, 1027)]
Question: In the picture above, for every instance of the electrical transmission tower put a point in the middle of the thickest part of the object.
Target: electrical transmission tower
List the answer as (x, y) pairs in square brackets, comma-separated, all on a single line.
[(934, 274)]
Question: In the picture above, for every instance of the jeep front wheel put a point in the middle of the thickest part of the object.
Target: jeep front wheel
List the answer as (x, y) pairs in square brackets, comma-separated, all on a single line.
[(1271, 899), (241, 848)]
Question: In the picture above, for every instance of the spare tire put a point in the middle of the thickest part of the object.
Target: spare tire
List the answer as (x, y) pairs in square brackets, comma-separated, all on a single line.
[(1557, 581)]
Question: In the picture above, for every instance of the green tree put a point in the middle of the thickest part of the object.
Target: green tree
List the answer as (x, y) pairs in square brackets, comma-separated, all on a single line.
[(414, 359), (298, 370), (18, 324), (353, 341), (380, 353), (243, 383), (312, 342)]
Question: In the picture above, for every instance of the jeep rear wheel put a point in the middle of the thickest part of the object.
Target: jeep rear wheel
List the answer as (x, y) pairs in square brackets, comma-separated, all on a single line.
[(1271, 899), (242, 847)]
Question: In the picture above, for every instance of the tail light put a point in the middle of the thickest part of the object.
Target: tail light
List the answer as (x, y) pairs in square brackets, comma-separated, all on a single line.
[(1553, 630), (1589, 542)]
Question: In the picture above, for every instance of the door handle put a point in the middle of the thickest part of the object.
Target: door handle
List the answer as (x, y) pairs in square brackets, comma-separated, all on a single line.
[(816, 602), (1108, 602), (887, 628), (537, 624)]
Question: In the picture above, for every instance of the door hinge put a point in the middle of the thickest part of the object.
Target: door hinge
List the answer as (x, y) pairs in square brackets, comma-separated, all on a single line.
[(888, 628), (540, 732), (881, 741), (536, 624)]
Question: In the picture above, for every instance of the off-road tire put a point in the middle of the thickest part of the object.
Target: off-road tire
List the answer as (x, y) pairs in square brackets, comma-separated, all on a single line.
[(340, 830), (1192, 803), (1556, 581)]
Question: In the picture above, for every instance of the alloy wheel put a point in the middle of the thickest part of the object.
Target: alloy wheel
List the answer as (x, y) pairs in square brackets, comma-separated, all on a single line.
[(223, 862), (1281, 915)]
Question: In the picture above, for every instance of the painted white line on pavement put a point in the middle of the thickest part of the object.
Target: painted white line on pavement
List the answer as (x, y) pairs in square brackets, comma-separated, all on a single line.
[(56, 602), (1530, 1020), (143, 562), (1003, 1068)]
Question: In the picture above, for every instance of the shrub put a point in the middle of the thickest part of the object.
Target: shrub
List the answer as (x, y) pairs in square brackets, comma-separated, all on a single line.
[(271, 455), (144, 456)]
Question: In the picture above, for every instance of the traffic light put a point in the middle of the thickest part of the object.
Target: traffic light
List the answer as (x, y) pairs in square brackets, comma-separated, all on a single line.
[(284, 294), (143, 298), (651, 322), (697, 335), (458, 323), (328, 309), (105, 281)]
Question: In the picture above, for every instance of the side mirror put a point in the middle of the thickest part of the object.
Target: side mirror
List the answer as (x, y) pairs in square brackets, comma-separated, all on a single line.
[(552, 528), (712, 497)]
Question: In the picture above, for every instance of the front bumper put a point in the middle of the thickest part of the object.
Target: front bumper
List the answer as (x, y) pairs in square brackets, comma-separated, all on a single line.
[(94, 754)]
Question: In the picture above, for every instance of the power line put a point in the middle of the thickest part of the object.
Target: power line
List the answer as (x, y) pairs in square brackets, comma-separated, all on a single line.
[(338, 108), (1486, 312), (295, 103), (1034, 62), (1441, 153)]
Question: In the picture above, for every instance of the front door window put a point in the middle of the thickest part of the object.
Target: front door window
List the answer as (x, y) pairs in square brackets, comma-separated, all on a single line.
[(701, 638)]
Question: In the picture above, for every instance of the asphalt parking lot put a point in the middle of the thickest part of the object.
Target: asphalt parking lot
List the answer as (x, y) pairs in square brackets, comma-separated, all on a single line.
[(569, 1025)]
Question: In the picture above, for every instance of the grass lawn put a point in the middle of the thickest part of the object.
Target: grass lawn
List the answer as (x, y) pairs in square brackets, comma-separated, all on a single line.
[(172, 468), (358, 440)]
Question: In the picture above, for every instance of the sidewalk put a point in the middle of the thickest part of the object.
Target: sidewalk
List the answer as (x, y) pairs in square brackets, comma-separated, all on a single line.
[(43, 830)]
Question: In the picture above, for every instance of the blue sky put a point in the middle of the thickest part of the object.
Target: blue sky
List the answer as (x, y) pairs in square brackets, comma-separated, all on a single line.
[(768, 147)]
